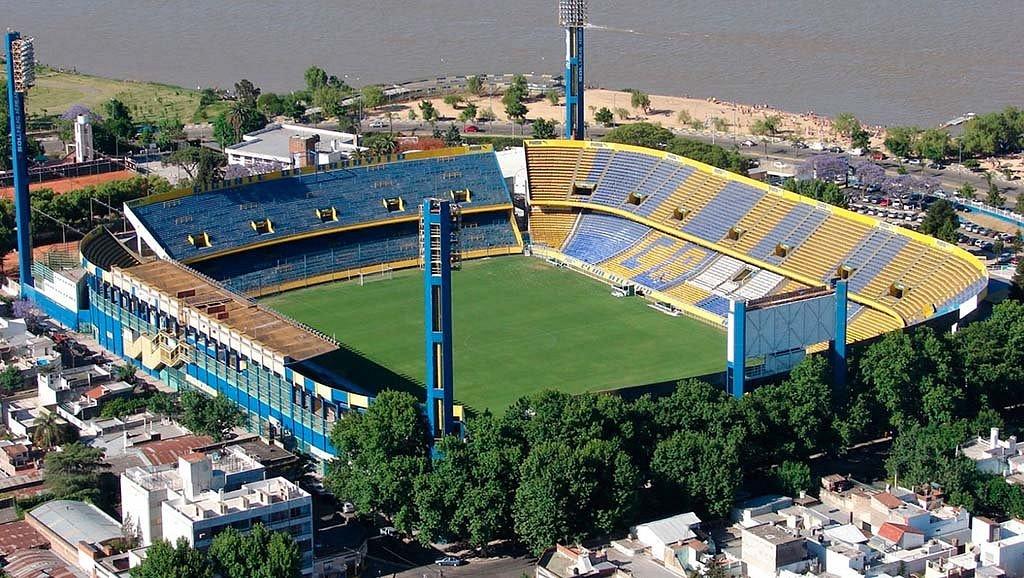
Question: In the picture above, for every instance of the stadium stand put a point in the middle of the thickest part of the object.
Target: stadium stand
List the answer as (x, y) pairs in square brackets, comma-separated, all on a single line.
[(275, 209), (296, 228), (646, 212)]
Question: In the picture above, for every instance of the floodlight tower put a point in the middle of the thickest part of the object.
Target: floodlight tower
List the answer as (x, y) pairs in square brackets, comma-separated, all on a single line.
[(572, 15), (20, 77), (440, 253)]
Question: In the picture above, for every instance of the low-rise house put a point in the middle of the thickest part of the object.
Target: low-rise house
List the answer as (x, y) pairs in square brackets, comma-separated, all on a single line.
[(760, 510), (18, 457), (67, 385), (901, 535), (80, 534), (1000, 545), (995, 456), (768, 550), (567, 562), (661, 535), (285, 146)]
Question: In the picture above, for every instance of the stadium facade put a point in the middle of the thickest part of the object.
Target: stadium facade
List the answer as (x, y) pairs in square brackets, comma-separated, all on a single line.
[(691, 238)]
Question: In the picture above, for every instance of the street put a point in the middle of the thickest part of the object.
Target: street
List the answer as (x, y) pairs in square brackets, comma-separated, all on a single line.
[(388, 556)]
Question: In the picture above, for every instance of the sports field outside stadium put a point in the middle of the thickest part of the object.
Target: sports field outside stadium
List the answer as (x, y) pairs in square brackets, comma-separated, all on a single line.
[(520, 326)]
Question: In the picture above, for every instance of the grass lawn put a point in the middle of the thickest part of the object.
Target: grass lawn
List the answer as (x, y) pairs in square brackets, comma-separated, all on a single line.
[(55, 92), (520, 326)]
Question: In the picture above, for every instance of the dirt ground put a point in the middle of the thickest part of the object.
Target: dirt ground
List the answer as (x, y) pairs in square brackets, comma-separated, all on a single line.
[(64, 185)]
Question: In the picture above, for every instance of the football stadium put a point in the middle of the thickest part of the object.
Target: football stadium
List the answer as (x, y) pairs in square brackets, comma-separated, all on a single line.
[(300, 294)]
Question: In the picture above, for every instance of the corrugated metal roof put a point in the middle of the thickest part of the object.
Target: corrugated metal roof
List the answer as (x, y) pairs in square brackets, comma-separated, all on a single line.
[(77, 522), (674, 529)]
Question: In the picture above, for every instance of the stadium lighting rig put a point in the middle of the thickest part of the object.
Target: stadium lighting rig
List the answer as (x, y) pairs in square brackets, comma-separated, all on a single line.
[(573, 17), (24, 64)]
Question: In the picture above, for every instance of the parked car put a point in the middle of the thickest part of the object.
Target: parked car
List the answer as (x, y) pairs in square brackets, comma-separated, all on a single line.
[(378, 123), (348, 508), (471, 128), (913, 161), (748, 143), (800, 145), (449, 561), (388, 531)]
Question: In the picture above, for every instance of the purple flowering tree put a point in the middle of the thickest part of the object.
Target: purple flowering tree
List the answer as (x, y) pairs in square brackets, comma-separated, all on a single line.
[(825, 167), (75, 110), (870, 174)]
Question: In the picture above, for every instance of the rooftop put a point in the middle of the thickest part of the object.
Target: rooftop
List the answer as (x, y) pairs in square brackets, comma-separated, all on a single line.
[(255, 494), (272, 141), (229, 460), (271, 329), (15, 536), (674, 529), (773, 534), (77, 522), (38, 564)]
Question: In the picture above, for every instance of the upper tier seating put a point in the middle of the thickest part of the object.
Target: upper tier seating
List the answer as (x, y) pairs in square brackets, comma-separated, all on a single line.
[(804, 240), (599, 236), (279, 208)]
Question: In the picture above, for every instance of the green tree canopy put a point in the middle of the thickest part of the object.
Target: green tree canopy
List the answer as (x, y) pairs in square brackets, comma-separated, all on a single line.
[(74, 472), (941, 221), (11, 380), (315, 78), (604, 116), (900, 140), (846, 124), (642, 134), (259, 553), (933, 144), (179, 561), (543, 129), (373, 96), (214, 417), (818, 190)]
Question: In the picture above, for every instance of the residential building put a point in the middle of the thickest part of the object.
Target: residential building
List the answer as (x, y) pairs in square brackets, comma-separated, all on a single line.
[(286, 146), (661, 535), (80, 534), (145, 489), (566, 562), (760, 510), (17, 457), (768, 550), (996, 456), (1000, 545), (66, 385)]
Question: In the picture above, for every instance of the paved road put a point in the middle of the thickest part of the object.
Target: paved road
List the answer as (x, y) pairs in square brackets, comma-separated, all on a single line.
[(393, 557)]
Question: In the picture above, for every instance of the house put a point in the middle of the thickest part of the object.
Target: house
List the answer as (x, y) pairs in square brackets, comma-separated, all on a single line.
[(760, 510), (661, 535), (995, 456), (768, 549), (1000, 545), (17, 457), (565, 562), (79, 533), (901, 535)]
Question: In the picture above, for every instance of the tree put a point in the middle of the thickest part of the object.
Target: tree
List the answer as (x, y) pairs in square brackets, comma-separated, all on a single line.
[(169, 132), (204, 166), (514, 98), (452, 137), (486, 115), (714, 155), (553, 97), (543, 129), (826, 167), (258, 554), (995, 198), (622, 113), (826, 192), (428, 112), (11, 380), (941, 221), (846, 124), (933, 144), (381, 452), (453, 100), (604, 116), (994, 133), (118, 121), (683, 117), (315, 78), (373, 96), (381, 144), (642, 134), (163, 404), (51, 432), (703, 470), (270, 104), (231, 124), (246, 93), (468, 114), (770, 125), (900, 140), (126, 372), (412, 114), (640, 101), (861, 139), (179, 561), (214, 417), (74, 472), (328, 99), (967, 191), (791, 478), (474, 84)]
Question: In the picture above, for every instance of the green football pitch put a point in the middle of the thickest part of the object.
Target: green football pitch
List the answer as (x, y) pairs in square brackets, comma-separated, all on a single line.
[(520, 326)]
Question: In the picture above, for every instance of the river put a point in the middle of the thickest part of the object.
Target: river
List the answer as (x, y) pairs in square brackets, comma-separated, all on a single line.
[(889, 62)]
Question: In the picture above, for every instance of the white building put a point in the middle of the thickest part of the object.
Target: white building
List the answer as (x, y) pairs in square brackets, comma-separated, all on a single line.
[(205, 494), (1000, 545), (285, 146), (661, 535), (996, 456)]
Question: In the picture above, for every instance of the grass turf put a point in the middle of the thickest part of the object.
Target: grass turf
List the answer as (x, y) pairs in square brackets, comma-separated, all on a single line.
[(520, 326)]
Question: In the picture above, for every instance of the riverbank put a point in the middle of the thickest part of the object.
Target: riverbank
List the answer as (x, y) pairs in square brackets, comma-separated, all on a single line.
[(56, 91)]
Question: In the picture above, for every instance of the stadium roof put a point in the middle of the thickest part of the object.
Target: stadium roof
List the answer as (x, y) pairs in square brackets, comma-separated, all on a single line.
[(76, 522), (271, 329)]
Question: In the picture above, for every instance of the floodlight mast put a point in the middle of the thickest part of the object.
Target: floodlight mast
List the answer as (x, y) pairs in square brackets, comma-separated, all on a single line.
[(573, 17), (21, 76)]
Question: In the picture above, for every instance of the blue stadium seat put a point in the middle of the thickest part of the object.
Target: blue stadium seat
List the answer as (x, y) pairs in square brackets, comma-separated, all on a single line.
[(724, 211), (291, 204), (599, 236)]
